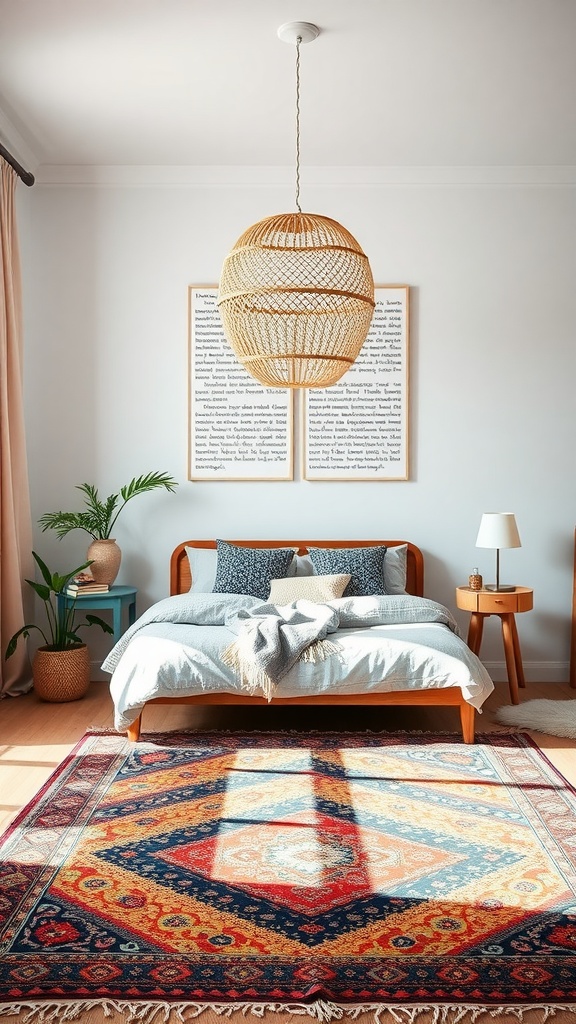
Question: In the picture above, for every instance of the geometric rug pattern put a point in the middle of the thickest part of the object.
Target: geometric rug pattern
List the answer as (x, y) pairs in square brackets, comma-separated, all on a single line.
[(397, 869)]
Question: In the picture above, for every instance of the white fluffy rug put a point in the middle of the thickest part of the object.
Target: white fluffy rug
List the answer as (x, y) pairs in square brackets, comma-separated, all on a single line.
[(557, 717)]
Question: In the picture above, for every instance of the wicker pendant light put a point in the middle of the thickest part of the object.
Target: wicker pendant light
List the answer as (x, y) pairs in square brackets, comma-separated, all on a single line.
[(296, 293)]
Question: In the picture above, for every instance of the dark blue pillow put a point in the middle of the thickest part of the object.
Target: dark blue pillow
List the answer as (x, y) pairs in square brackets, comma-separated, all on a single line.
[(365, 565), (249, 570)]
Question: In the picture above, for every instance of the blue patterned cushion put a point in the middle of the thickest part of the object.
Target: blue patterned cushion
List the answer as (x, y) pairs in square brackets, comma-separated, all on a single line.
[(249, 570), (365, 565)]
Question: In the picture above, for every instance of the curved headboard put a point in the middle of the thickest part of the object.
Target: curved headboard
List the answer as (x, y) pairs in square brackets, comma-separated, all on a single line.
[(181, 578)]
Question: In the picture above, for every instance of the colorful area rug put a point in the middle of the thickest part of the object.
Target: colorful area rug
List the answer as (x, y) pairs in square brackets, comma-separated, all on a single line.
[(332, 872)]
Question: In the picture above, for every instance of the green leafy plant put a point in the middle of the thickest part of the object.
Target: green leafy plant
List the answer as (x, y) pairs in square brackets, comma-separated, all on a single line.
[(61, 631), (100, 515)]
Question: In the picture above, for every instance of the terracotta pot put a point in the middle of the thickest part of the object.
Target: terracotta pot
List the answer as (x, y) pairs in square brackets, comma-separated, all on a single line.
[(61, 676), (106, 557)]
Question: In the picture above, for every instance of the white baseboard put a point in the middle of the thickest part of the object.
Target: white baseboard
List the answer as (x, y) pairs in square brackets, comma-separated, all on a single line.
[(534, 671)]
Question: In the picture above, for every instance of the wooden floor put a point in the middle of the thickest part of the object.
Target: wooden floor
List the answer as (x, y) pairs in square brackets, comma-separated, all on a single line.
[(35, 736)]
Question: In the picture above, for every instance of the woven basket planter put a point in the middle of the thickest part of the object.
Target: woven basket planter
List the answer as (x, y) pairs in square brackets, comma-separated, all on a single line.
[(60, 676)]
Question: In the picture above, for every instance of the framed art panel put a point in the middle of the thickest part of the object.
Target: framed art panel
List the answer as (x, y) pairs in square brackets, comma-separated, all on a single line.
[(237, 428), (358, 428)]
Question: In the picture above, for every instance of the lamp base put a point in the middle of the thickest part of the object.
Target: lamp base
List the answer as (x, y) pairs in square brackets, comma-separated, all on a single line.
[(504, 588)]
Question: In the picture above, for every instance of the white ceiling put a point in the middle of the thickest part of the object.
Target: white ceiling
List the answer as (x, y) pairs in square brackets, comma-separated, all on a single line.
[(410, 83)]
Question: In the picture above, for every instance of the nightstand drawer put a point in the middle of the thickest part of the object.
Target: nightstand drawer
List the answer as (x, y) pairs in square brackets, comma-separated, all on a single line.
[(497, 603)]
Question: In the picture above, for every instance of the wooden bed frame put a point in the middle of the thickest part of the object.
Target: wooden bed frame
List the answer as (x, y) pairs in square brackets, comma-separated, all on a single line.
[(181, 580)]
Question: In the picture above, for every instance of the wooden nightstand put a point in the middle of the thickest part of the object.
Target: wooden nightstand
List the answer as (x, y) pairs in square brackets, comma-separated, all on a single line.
[(481, 604)]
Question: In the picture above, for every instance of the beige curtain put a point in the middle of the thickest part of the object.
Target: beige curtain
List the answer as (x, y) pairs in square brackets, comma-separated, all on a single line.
[(15, 521)]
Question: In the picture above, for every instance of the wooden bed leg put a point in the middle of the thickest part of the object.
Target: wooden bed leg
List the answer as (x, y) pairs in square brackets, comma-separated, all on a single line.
[(467, 713), (133, 730)]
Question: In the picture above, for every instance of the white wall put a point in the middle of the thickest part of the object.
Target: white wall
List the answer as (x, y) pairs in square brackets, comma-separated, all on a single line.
[(493, 314)]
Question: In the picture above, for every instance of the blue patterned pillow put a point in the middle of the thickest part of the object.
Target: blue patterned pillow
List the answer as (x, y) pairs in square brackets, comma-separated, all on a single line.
[(365, 565), (249, 570)]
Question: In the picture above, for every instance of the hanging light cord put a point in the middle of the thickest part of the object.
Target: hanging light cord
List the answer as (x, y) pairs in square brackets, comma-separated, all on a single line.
[(298, 41)]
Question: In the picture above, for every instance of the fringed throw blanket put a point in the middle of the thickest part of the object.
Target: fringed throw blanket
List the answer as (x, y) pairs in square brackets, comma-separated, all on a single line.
[(271, 638)]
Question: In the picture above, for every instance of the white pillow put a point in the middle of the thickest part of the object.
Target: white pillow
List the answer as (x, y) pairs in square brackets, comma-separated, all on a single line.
[(203, 564), (203, 568), (304, 565), (394, 568), (312, 588)]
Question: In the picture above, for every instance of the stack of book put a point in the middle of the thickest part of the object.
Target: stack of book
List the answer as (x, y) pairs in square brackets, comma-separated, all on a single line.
[(83, 584)]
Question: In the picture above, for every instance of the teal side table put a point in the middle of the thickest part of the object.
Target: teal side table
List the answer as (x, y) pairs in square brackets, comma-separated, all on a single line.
[(117, 598)]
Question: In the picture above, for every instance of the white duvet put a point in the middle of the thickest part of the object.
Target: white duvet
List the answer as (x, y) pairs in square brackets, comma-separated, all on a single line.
[(396, 643)]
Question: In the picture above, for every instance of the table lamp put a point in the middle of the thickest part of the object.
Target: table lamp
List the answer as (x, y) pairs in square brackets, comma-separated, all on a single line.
[(498, 530)]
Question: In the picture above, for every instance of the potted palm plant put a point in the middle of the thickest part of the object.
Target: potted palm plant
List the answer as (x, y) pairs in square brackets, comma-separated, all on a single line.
[(99, 518), (61, 667)]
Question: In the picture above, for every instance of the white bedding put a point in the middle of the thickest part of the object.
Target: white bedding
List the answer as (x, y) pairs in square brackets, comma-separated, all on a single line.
[(160, 657)]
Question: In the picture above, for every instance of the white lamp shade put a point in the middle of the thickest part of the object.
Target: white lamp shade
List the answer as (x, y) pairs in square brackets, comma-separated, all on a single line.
[(498, 530)]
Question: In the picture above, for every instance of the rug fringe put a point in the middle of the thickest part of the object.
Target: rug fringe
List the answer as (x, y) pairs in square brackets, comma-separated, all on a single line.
[(154, 1012)]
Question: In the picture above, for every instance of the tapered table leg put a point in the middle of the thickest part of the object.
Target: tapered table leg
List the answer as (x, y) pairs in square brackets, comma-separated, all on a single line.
[(507, 619), (475, 632), (517, 654)]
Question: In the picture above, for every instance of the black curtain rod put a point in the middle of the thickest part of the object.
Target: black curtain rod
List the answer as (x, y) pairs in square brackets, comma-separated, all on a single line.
[(27, 178)]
